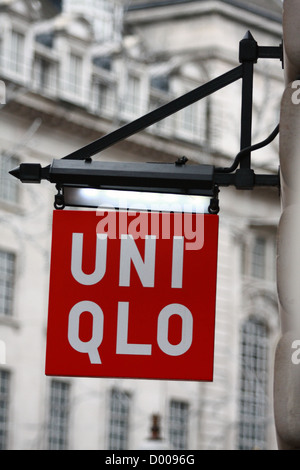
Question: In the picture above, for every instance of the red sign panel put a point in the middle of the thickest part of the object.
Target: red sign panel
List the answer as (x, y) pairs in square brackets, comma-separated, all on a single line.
[(132, 295)]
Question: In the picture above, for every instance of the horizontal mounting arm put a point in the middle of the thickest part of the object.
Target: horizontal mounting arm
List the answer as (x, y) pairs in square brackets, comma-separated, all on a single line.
[(155, 177)]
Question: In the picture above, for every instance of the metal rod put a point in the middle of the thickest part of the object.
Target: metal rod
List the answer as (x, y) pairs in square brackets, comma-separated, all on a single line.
[(156, 115), (246, 113), (270, 52)]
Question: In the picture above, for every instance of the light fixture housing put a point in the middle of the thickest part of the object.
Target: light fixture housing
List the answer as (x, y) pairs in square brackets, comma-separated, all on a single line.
[(134, 186), (78, 196), (135, 176)]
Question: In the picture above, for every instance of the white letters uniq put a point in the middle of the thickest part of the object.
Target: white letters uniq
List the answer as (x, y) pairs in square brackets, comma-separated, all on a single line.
[(76, 260), (145, 268), (90, 347), (187, 329), (130, 252)]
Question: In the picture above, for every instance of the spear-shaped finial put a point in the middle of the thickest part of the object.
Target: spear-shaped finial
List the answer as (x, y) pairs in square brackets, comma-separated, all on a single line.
[(28, 172), (248, 49)]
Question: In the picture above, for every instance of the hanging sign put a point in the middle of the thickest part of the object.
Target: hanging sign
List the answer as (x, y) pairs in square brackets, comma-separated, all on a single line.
[(132, 295)]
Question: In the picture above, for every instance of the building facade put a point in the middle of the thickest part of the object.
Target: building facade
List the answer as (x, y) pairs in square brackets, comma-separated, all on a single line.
[(70, 72)]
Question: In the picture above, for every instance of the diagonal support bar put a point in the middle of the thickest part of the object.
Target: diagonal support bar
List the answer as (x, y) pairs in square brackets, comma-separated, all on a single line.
[(156, 115)]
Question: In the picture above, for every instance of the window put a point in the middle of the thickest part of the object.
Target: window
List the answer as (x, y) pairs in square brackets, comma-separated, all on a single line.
[(192, 122), (258, 256), (188, 125), (45, 38), (103, 98), (104, 13), (103, 62), (105, 20), (178, 424), (253, 386), (164, 126), (16, 53), (59, 415), (4, 403), (75, 74), (45, 75), (106, 23), (160, 82), (9, 188), (7, 278), (119, 420), (132, 97)]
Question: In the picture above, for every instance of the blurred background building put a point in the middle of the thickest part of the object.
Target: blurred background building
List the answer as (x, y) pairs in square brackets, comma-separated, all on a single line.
[(70, 72)]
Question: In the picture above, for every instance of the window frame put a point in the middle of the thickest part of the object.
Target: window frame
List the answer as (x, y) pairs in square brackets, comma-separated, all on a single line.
[(48, 85), (109, 98), (4, 408), (75, 76), (178, 423), (253, 384), (119, 419), (248, 266), (58, 415), (7, 301), (15, 57)]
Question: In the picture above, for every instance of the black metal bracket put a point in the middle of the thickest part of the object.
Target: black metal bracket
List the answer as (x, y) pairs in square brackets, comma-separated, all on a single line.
[(81, 170)]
